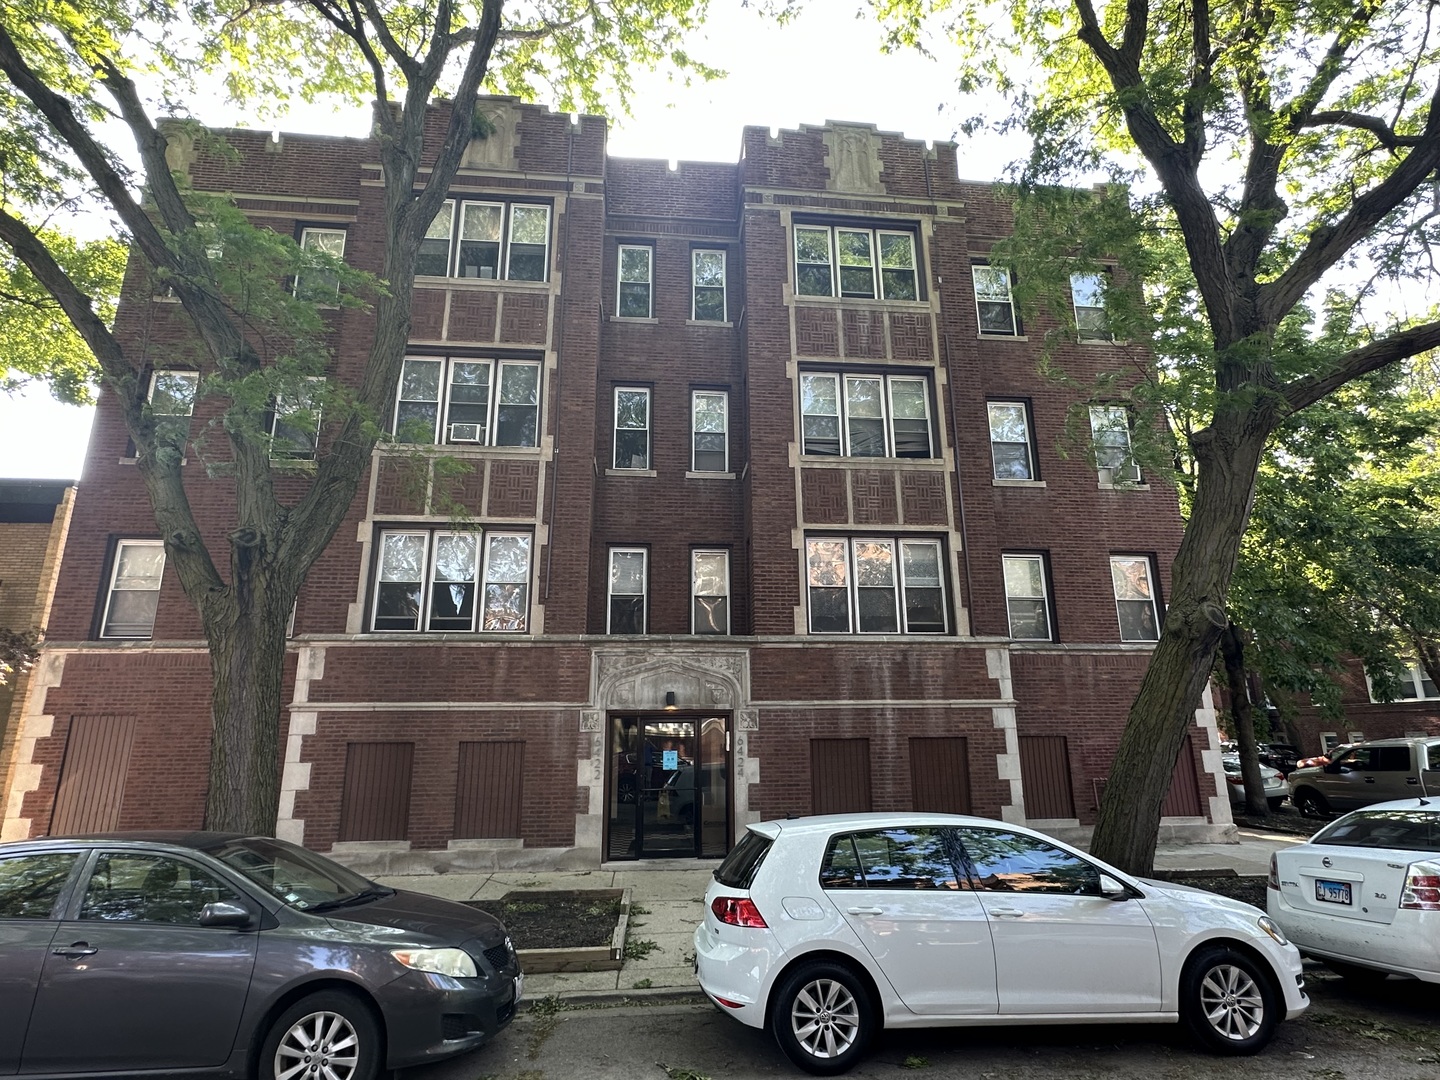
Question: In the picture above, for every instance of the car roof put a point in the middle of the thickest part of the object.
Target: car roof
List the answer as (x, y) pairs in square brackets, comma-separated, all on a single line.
[(198, 840), (822, 823)]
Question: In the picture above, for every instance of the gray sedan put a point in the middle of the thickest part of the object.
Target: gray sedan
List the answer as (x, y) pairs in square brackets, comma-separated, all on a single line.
[(234, 956)]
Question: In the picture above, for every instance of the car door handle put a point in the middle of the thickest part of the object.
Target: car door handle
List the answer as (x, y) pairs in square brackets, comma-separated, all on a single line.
[(74, 952), (1369, 779), (866, 911), (1412, 780), (1005, 912)]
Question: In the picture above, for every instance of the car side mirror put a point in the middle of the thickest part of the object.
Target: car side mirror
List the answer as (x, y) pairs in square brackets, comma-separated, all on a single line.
[(1112, 888), (224, 913)]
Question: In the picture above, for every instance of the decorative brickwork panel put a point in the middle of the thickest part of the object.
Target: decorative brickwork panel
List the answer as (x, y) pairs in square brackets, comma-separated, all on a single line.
[(513, 488), (427, 315), (815, 332), (873, 495), (910, 337), (824, 494), (467, 489), (923, 499), (400, 489), (472, 317), (523, 317), (865, 334)]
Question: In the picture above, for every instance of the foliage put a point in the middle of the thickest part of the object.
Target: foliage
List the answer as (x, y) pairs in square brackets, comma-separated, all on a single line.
[(19, 649)]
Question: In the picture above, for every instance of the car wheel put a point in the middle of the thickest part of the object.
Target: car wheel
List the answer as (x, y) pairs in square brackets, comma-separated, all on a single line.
[(822, 1017), (1355, 973), (1310, 803), (326, 1036), (1228, 1001), (1275, 803), (626, 790)]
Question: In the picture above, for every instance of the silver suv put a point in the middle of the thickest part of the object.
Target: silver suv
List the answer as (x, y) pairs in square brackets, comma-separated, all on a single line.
[(1368, 773)]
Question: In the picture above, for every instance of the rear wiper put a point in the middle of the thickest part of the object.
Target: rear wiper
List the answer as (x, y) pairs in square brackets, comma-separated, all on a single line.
[(362, 897)]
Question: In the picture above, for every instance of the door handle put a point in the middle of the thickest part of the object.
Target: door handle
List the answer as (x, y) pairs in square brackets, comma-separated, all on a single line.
[(1005, 912), (1412, 780), (1369, 779), (866, 911), (74, 952)]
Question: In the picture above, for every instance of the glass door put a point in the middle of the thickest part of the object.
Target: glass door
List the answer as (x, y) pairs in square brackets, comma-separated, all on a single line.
[(669, 796)]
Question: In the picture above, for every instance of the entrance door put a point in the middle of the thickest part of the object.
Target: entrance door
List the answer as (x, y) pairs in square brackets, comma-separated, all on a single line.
[(669, 796)]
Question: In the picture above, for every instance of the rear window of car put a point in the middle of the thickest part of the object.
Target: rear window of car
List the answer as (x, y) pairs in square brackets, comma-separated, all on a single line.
[(1413, 830), (738, 869)]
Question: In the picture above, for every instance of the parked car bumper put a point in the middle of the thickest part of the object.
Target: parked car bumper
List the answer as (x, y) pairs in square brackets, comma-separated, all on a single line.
[(1409, 945), (429, 1017)]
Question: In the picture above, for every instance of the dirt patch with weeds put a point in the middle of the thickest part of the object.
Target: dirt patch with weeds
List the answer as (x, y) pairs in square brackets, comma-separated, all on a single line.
[(573, 919)]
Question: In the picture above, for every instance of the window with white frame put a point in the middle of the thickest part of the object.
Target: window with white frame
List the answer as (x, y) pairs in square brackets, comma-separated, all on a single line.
[(994, 304), (635, 296), (708, 277), (1011, 451), (445, 580), (468, 401), (629, 580), (134, 592), (871, 262), (172, 402), (1087, 293), (632, 427), (710, 592), (295, 422), (1110, 431), (320, 284), (1415, 685), (875, 585), (1132, 577), (865, 415), (1026, 597), (709, 426), (487, 239)]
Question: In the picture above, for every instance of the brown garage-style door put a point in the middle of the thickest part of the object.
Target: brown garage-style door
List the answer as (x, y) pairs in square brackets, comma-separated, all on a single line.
[(940, 775), (839, 776), (489, 781), (1183, 798), (376, 801), (1045, 773), (92, 776)]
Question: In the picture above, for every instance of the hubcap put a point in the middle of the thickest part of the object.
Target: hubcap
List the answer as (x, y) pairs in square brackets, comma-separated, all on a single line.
[(1232, 1002), (322, 1045), (825, 1018)]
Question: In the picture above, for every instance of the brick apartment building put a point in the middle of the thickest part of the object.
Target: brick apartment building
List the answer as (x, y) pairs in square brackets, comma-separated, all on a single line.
[(766, 516)]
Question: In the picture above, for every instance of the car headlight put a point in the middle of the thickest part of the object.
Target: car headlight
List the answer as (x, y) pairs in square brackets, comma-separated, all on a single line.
[(456, 963), (1274, 931)]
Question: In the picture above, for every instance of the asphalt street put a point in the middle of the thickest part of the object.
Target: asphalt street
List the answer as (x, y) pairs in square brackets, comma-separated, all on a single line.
[(1388, 1033)]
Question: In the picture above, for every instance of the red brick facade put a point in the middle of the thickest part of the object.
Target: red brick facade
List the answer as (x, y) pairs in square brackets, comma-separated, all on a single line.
[(566, 688)]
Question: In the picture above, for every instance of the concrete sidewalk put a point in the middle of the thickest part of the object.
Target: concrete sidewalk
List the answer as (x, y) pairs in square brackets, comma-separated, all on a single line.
[(669, 902)]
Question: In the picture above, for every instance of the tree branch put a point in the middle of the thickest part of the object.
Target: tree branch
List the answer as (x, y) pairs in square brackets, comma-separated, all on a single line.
[(1306, 391), (1383, 132)]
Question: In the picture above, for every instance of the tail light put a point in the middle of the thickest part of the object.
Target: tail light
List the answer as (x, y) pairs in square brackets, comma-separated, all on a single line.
[(738, 911), (1234, 778), (1422, 887), (1274, 881)]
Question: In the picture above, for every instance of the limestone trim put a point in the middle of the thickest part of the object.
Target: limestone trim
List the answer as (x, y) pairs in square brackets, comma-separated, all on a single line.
[(295, 774), (1007, 765), (34, 725)]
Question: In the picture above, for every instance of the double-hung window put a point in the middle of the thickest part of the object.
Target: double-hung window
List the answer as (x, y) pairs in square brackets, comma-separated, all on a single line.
[(1110, 430), (865, 415), (708, 304), (629, 580), (875, 585), (172, 402), (709, 425), (839, 260), (632, 427), (1132, 577), (487, 239), (295, 422), (636, 294), (134, 591), (1087, 293), (1025, 597), (710, 592), (320, 284), (468, 401), (994, 304), (439, 580), (1415, 684), (1011, 451)]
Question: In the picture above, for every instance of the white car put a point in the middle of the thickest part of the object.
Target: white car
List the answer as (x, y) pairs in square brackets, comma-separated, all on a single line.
[(1363, 894), (827, 929), (1276, 790)]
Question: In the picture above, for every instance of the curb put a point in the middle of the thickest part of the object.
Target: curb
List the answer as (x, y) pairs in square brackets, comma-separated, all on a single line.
[(660, 995)]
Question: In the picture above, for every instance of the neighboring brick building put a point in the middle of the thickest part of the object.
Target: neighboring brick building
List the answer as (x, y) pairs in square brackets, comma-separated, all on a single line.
[(1415, 712), (755, 450)]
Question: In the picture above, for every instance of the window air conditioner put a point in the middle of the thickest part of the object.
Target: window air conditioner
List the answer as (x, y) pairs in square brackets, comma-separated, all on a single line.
[(1129, 473), (465, 433)]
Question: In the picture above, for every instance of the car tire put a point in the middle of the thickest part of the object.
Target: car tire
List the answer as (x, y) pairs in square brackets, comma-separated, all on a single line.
[(1356, 973), (822, 1017), (1228, 1001), (334, 1027), (1310, 803), (1275, 804)]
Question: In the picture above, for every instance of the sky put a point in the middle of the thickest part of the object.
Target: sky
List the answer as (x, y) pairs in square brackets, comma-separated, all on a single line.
[(822, 66)]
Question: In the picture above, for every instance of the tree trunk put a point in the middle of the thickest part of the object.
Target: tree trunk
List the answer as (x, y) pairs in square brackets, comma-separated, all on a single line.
[(1227, 457), (1232, 649)]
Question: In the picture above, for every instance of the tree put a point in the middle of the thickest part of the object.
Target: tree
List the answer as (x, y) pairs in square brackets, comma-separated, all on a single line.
[(1293, 142), (18, 651), (71, 66)]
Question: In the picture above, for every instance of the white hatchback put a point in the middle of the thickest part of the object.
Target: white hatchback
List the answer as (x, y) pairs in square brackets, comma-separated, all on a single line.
[(1363, 894), (827, 929)]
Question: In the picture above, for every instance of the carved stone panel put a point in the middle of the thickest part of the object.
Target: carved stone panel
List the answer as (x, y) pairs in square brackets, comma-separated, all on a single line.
[(865, 334), (513, 488), (472, 317), (923, 498), (427, 314), (853, 154), (815, 332), (401, 486), (523, 317), (497, 149), (873, 495), (824, 497), (910, 337)]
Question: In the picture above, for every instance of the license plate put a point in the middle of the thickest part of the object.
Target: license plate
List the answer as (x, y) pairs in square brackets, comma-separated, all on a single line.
[(1332, 892)]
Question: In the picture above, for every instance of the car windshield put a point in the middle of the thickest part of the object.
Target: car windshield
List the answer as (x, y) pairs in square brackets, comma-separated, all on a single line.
[(301, 878), (1412, 830)]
